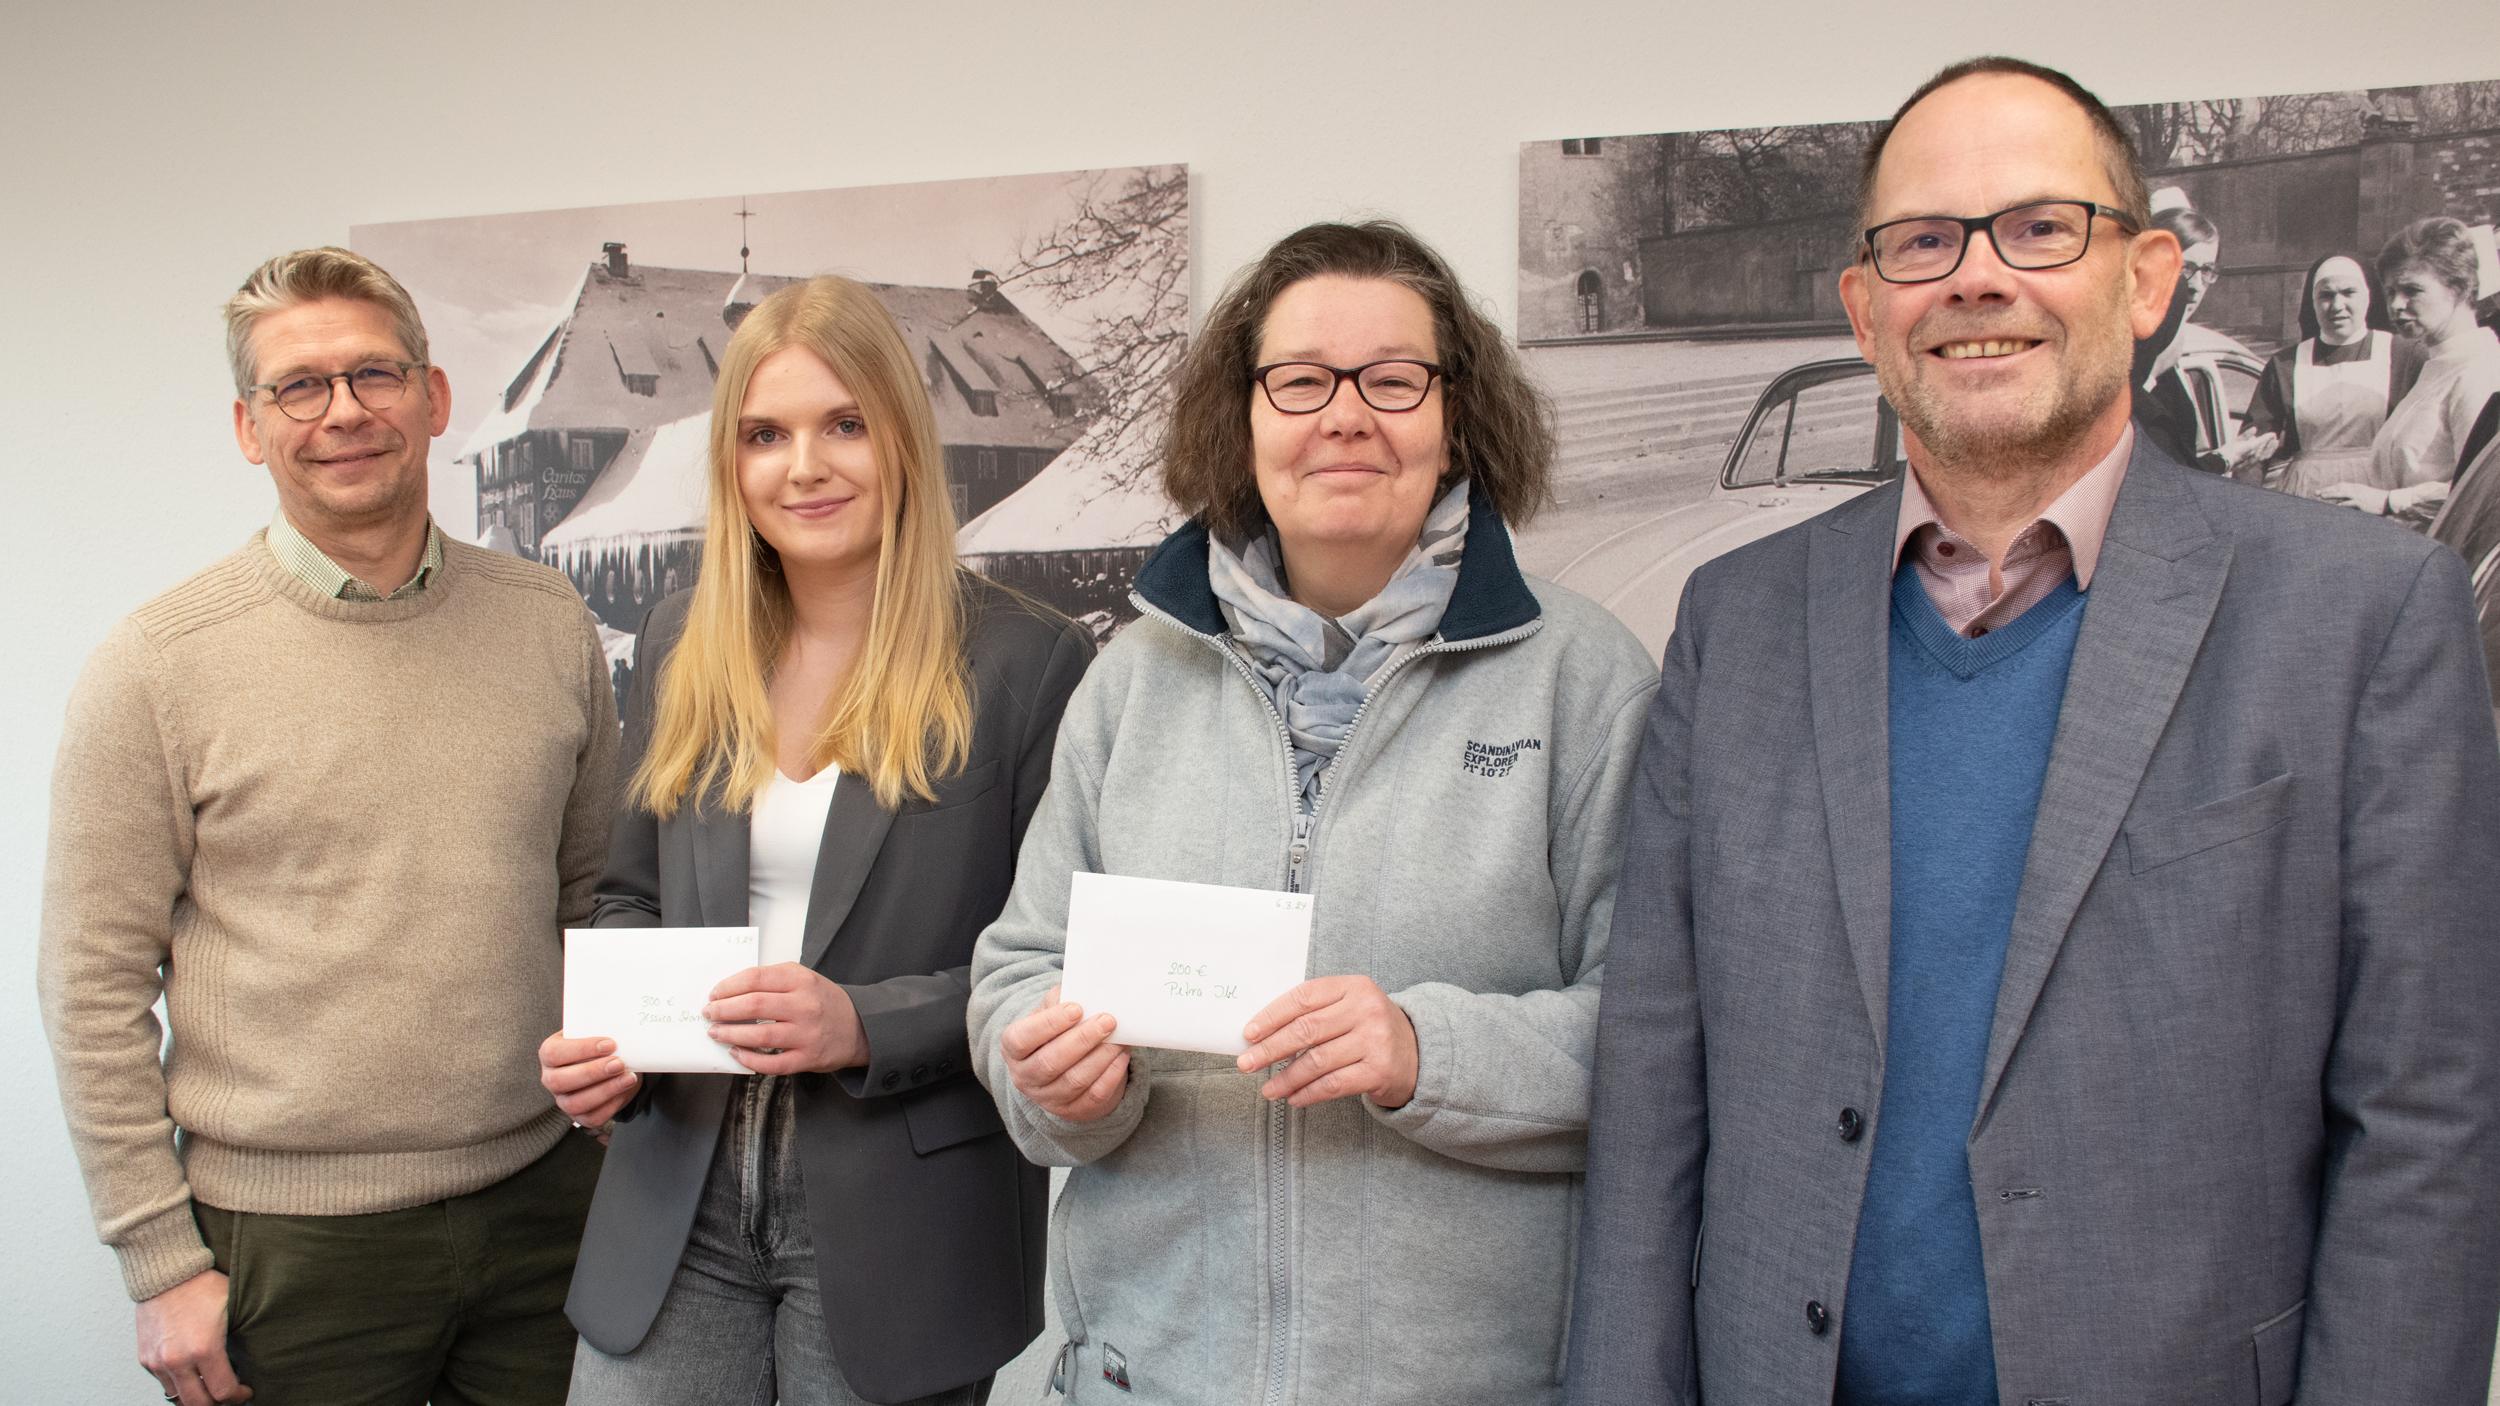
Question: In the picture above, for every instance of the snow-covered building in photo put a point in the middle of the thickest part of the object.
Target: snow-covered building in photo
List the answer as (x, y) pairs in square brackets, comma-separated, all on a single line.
[(636, 535), (1074, 535), (634, 357)]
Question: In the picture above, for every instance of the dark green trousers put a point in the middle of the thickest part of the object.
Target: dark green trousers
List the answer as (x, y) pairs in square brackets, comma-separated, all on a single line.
[(459, 1302)]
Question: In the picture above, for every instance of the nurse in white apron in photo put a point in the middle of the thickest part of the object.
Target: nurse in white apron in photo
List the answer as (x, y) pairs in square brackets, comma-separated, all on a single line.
[(2339, 406), (2429, 272)]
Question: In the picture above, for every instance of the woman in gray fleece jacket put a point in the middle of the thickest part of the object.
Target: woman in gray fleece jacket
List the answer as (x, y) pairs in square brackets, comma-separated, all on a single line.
[(1342, 686)]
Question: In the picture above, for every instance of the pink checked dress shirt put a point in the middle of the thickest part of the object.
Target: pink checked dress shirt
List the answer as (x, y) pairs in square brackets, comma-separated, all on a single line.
[(2066, 537)]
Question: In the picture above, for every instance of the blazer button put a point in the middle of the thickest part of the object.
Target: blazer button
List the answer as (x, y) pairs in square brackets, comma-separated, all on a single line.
[(1818, 1319), (946, 1066), (890, 1080), (919, 1073), (1851, 1124)]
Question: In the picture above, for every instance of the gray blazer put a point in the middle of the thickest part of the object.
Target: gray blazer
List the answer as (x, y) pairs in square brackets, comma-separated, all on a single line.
[(2236, 1137), (927, 1224)]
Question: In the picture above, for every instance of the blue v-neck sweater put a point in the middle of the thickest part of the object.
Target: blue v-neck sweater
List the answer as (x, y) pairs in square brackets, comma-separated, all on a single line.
[(1971, 725)]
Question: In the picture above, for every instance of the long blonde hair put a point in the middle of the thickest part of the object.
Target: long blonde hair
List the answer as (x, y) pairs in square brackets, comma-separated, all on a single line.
[(902, 716)]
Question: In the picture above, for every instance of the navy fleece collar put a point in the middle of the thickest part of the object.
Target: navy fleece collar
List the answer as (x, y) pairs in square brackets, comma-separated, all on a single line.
[(1492, 597)]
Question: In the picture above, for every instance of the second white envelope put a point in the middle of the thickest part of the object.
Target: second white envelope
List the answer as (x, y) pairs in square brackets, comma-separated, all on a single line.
[(1181, 966)]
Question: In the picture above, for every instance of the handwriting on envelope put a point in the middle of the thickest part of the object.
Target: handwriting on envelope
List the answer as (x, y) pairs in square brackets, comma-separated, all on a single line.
[(1182, 966), (645, 988)]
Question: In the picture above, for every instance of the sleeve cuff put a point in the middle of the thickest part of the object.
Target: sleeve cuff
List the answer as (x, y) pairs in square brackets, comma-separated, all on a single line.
[(1433, 1050), (158, 1254), (1086, 1141), (904, 1052)]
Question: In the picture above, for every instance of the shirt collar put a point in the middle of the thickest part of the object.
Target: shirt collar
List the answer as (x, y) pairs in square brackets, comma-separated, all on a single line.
[(2081, 513), (312, 566)]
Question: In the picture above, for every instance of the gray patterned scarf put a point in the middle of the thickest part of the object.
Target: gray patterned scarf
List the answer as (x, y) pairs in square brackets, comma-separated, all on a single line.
[(1316, 669)]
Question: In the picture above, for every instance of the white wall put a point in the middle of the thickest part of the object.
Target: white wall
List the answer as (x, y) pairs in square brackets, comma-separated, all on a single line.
[(150, 155)]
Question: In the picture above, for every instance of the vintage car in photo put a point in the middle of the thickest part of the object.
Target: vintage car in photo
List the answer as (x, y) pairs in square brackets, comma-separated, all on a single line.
[(1818, 435)]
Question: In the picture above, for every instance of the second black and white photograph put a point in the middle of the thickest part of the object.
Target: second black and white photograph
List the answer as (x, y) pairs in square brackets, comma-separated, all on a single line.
[(2330, 334)]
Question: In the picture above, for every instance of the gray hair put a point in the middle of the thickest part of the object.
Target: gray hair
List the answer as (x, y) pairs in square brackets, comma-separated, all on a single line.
[(305, 276)]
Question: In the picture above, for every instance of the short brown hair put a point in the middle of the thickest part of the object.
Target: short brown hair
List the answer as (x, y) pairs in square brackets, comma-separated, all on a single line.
[(2442, 246), (1501, 431), (305, 276), (2119, 161), (2191, 228)]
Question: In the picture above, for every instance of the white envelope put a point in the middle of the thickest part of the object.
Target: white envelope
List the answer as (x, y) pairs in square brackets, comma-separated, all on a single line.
[(1181, 966), (645, 988)]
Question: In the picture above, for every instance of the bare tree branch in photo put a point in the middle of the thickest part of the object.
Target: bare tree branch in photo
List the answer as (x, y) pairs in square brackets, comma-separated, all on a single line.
[(1757, 157), (2297, 122), (2204, 130), (2458, 107), (1642, 201), (1756, 175), (2159, 128), (1129, 231)]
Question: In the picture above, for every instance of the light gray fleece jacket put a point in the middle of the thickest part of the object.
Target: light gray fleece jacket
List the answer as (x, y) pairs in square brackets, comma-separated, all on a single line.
[(1211, 1247)]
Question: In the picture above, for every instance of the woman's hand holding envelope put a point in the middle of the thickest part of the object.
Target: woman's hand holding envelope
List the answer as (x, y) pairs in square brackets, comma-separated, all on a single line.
[(1063, 1061), (787, 1019), (1344, 1036)]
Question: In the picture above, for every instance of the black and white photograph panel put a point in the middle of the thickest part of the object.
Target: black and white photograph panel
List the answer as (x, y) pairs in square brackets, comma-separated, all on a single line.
[(1046, 313), (2330, 335)]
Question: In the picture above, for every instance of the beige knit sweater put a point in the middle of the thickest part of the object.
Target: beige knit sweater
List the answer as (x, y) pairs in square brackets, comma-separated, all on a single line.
[(340, 839)]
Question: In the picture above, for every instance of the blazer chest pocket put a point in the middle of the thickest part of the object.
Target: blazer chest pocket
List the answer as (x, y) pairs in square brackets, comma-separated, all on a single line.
[(2171, 838), (971, 785), (942, 1115)]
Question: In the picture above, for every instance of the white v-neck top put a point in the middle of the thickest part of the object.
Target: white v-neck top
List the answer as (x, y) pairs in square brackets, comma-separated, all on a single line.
[(785, 833)]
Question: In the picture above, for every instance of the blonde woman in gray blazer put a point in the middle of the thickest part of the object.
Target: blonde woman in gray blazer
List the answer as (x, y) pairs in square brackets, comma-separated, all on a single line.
[(848, 1222)]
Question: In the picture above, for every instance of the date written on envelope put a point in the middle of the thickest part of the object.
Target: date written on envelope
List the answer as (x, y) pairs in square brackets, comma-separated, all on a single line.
[(1181, 966)]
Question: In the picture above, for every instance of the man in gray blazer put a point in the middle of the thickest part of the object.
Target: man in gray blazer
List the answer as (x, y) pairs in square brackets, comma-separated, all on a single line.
[(2058, 952)]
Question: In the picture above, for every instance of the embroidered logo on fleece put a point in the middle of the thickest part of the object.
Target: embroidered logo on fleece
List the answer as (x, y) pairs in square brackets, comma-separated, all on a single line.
[(1496, 758), (1114, 1367)]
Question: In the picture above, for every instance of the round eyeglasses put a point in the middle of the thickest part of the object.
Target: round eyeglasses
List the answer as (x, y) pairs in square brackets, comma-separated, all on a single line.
[(1306, 387), (376, 385), (2045, 234)]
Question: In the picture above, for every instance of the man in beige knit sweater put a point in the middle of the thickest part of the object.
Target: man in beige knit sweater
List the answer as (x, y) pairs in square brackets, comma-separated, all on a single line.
[(332, 799)]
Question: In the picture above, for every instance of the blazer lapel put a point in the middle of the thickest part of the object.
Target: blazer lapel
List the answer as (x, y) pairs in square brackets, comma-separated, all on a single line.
[(720, 864), (855, 828), (2153, 594), (1848, 600)]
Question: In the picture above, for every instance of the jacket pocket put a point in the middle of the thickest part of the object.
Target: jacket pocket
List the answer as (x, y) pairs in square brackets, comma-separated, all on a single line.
[(958, 1110), (243, 1297), (1571, 1279), (951, 791), (2277, 1342), (1063, 1276), (2171, 838)]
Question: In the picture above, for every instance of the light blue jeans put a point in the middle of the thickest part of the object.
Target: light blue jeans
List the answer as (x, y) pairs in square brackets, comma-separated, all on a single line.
[(744, 1321)]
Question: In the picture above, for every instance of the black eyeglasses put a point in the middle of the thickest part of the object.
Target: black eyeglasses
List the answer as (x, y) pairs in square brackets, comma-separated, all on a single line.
[(1306, 387), (2045, 234), (376, 385)]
